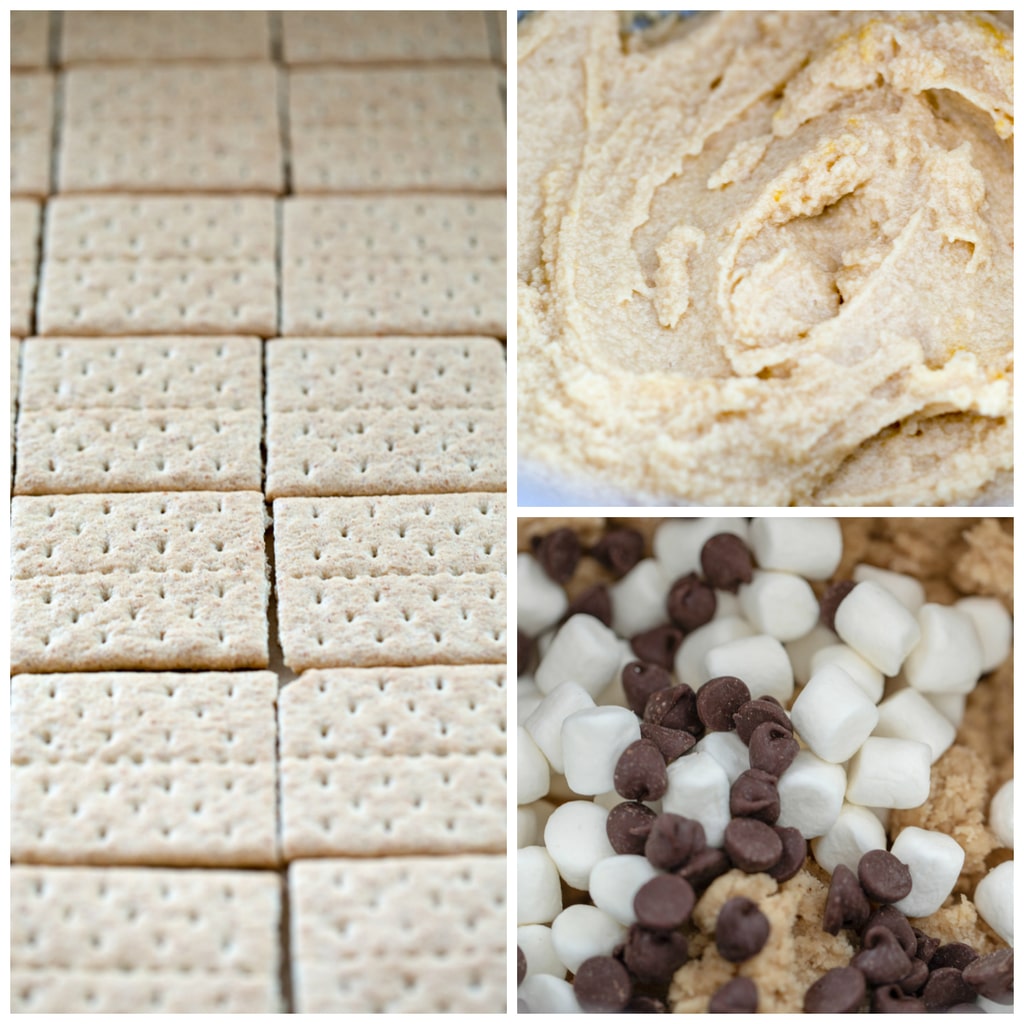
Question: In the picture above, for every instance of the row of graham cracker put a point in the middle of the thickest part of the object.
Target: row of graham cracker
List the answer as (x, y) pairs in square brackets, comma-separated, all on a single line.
[(412, 264), (306, 37)]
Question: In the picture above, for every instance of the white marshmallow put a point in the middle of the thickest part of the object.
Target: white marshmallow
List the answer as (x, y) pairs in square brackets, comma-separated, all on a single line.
[(906, 589), (907, 715), (613, 693), (811, 794), (1000, 814), (877, 626), (540, 601), (584, 651), (544, 723), (833, 715), (698, 787), (693, 650), (592, 743), (544, 641), (947, 659), (994, 626), (678, 542), (542, 993), (576, 838), (581, 931), (889, 772), (527, 698), (728, 750), (810, 547), (934, 860), (536, 943), (760, 661), (951, 706), (882, 814), (614, 883), (855, 831), (861, 671), (538, 887), (533, 773), (638, 599), (992, 1007), (803, 650), (779, 604), (727, 603)]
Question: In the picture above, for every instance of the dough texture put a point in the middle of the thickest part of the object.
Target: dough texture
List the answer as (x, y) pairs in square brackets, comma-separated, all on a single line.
[(766, 257)]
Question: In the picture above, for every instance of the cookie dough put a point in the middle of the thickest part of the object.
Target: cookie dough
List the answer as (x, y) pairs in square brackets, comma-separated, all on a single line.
[(766, 257)]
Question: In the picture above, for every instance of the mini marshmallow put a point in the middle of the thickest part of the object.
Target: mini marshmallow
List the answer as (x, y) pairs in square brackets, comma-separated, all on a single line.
[(533, 773), (727, 603), (527, 833), (614, 883), (536, 943), (638, 599), (538, 887), (544, 723), (861, 671), (803, 650), (613, 693), (1000, 814), (906, 589), (581, 931), (760, 661), (994, 626), (542, 993), (811, 794), (592, 743), (693, 650), (934, 860), (992, 1007), (527, 698), (855, 831), (678, 542), (833, 715), (908, 715), (584, 651), (888, 772), (779, 604), (728, 750), (947, 659), (576, 838), (698, 788), (877, 626), (951, 706), (809, 547), (540, 601)]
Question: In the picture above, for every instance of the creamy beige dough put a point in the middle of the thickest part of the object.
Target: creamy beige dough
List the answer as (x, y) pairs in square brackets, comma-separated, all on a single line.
[(766, 258)]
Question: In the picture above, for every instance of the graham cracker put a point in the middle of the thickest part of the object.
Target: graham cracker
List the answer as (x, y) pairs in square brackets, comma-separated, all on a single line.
[(112, 36), (159, 265), (133, 414), (409, 264), (144, 768), (30, 39), (25, 225), (407, 934), (342, 37), (138, 581), (31, 132), (181, 128), (15, 381), (125, 940)]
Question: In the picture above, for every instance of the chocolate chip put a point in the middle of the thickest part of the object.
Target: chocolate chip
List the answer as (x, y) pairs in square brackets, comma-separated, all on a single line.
[(755, 713), (558, 553), (754, 794), (628, 826), (726, 562), (602, 985), (890, 999), (832, 599), (794, 853), (640, 772), (522, 964), (752, 845), (674, 708), (645, 1004), (840, 990), (884, 878), (882, 959), (619, 550), (664, 903), (736, 996), (913, 981), (673, 841), (926, 946), (525, 650), (846, 906), (898, 924), (672, 743), (657, 646), (741, 929), (704, 867), (592, 601), (944, 988), (772, 748), (718, 700), (654, 957), (953, 954), (639, 681), (991, 976), (691, 603)]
